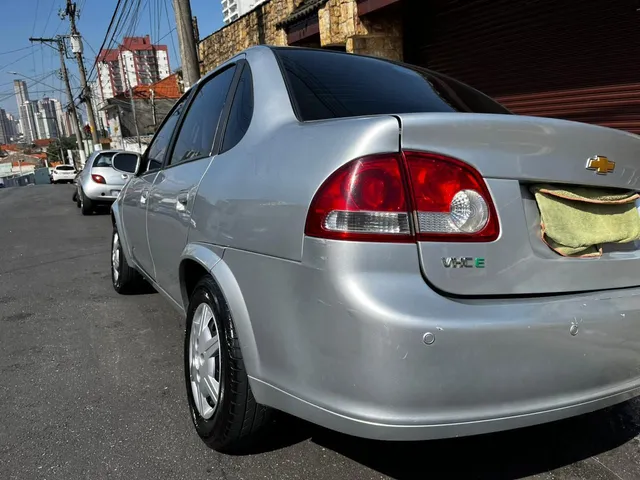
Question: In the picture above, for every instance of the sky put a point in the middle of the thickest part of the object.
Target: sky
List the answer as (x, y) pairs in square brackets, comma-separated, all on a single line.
[(22, 19)]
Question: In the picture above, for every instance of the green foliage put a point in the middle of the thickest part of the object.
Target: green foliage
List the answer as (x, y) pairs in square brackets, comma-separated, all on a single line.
[(65, 143)]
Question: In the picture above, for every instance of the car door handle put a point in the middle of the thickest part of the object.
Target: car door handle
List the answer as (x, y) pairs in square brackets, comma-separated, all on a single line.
[(124, 176), (143, 197)]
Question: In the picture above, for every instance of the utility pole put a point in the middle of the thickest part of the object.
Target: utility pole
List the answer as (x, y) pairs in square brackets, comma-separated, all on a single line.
[(59, 42), (76, 46), (187, 41)]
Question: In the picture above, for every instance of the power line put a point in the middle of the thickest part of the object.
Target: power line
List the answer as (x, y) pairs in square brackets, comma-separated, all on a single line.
[(35, 18), (53, 5), (104, 41), (173, 43), (18, 60), (16, 50)]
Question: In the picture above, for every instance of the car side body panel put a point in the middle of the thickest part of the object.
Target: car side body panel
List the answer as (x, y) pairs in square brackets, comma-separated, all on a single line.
[(255, 197)]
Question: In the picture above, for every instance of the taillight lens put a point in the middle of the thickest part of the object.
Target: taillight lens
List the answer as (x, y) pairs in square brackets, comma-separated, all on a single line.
[(370, 199), (451, 200), (363, 200), (98, 178)]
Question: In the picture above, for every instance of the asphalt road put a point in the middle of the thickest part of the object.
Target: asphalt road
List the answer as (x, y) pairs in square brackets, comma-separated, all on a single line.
[(91, 385)]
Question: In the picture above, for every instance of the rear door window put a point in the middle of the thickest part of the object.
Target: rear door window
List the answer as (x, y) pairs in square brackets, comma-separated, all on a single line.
[(103, 159), (241, 111), (325, 85)]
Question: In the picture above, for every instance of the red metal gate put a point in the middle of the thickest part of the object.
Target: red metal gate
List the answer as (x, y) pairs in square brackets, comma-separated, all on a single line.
[(574, 60)]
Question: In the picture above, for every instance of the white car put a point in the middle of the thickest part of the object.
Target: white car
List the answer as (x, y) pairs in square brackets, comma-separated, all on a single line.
[(63, 174)]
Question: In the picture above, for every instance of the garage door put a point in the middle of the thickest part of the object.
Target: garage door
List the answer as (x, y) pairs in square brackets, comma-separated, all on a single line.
[(573, 60)]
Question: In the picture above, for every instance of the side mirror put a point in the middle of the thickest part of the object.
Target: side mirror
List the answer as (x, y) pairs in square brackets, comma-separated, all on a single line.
[(126, 162)]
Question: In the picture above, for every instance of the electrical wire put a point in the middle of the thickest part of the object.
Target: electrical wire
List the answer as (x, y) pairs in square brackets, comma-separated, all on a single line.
[(16, 50), (106, 36), (173, 44)]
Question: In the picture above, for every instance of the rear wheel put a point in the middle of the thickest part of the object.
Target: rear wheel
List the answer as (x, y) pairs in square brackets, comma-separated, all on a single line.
[(224, 411), (86, 204), (125, 279)]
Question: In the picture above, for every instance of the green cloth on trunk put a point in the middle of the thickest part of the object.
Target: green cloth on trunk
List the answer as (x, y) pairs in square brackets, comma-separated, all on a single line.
[(576, 221)]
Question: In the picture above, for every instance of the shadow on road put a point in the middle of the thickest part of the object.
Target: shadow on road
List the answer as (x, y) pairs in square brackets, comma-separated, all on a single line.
[(505, 455)]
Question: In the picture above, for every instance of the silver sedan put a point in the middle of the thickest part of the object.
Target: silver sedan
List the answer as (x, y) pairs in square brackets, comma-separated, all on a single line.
[(352, 241)]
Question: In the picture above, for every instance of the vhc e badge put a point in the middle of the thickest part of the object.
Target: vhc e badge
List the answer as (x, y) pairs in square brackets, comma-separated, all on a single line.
[(462, 262)]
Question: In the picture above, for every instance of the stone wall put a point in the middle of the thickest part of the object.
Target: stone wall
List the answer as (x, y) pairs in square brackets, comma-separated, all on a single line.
[(258, 27), (376, 34)]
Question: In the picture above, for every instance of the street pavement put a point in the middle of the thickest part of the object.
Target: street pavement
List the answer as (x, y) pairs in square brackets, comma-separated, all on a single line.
[(91, 385)]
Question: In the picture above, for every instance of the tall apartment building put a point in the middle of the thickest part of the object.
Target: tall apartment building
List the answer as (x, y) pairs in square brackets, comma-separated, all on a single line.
[(5, 128), (28, 121), (26, 110), (46, 119), (60, 120), (136, 61), (8, 127), (233, 9)]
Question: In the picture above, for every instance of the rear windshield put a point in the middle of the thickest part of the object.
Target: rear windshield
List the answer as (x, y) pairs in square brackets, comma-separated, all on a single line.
[(65, 168), (103, 160), (325, 85)]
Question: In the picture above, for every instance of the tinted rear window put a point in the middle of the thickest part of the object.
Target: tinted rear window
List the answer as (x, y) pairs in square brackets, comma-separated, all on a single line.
[(103, 160), (65, 168), (326, 85)]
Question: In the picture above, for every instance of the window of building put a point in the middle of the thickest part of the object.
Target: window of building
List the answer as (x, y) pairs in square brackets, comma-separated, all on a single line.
[(195, 139)]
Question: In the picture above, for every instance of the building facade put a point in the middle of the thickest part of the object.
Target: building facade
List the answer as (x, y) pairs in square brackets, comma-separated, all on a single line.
[(46, 119), (135, 62), (537, 58), (151, 103), (234, 9), (5, 129), (60, 120), (26, 111), (28, 121)]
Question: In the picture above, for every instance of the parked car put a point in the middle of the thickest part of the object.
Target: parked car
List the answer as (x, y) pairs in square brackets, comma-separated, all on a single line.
[(310, 212), (98, 184), (63, 174)]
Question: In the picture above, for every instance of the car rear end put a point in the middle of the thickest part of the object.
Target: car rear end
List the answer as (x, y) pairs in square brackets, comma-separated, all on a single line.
[(103, 183), (443, 312), (63, 174)]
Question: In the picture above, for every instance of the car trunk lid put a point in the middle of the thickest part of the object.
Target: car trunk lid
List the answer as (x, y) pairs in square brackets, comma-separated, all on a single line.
[(512, 153)]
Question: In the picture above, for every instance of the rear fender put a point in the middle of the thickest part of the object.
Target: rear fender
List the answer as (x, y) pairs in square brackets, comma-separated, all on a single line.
[(210, 257)]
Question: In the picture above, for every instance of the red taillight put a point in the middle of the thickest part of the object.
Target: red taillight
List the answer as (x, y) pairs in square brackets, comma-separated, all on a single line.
[(367, 200), (363, 200), (450, 199), (98, 178)]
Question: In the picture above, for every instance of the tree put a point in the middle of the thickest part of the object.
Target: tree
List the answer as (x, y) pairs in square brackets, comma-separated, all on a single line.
[(64, 144)]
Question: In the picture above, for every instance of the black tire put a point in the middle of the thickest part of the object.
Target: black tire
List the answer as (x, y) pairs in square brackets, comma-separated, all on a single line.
[(128, 280), (86, 205), (74, 198), (237, 420)]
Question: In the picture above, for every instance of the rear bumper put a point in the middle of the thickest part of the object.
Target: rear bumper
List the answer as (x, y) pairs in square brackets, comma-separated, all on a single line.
[(357, 360), (62, 179), (98, 192)]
